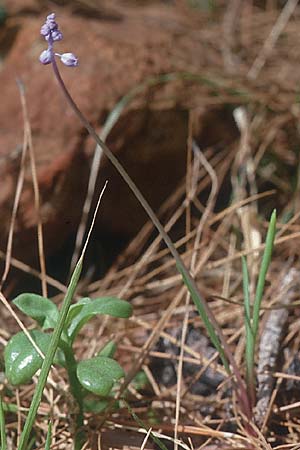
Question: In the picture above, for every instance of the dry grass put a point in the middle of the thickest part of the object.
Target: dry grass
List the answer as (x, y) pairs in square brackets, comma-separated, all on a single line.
[(262, 166)]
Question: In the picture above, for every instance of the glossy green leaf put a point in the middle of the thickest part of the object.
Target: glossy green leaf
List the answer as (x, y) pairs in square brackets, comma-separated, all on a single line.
[(99, 374), (108, 350), (75, 310), (22, 360), (111, 306), (39, 308)]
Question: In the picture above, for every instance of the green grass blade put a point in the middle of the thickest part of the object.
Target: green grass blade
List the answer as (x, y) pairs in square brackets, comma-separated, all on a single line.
[(247, 303), (37, 396), (209, 327), (249, 333), (252, 321), (49, 357), (263, 273), (2, 427), (49, 436)]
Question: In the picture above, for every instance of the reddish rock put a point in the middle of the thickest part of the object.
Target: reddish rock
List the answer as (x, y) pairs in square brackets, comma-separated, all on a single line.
[(150, 138)]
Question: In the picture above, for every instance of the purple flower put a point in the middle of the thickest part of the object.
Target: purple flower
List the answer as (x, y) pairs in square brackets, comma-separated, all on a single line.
[(68, 59), (50, 27), (51, 17), (45, 57), (45, 30), (51, 33), (56, 35)]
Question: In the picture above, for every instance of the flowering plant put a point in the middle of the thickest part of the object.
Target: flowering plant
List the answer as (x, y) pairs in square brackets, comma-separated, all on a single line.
[(93, 375)]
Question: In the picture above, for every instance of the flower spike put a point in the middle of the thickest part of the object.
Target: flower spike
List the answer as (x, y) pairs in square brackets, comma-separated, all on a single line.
[(51, 33)]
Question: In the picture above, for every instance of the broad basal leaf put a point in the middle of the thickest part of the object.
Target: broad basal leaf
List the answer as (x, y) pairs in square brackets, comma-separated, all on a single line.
[(111, 306), (39, 308), (22, 360), (99, 374)]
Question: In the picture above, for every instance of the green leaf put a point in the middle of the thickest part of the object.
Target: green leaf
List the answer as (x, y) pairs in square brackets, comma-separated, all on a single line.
[(111, 306), (75, 310), (266, 259), (202, 313), (248, 325), (247, 303), (99, 374), (22, 360), (108, 350), (252, 328), (39, 308)]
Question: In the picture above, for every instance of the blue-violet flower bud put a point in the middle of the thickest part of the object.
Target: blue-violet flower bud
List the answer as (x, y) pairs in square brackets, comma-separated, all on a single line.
[(68, 59), (51, 16), (56, 35), (52, 25), (45, 57), (45, 30)]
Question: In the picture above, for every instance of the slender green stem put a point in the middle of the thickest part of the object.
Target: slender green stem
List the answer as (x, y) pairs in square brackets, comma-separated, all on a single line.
[(180, 265), (76, 390), (249, 334), (252, 317), (263, 272), (2, 427), (71, 364), (49, 436), (55, 339)]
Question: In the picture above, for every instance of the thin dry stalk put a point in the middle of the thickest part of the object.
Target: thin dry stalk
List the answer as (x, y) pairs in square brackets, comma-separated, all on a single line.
[(197, 357), (27, 127), (98, 153), (229, 34), (231, 438), (260, 248), (20, 323), (27, 143), (35, 273), (147, 254), (145, 440), (191, 179), (271, 40), (210, 203), (243, 173), (220, 163), (228, 268), (20, 182)]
